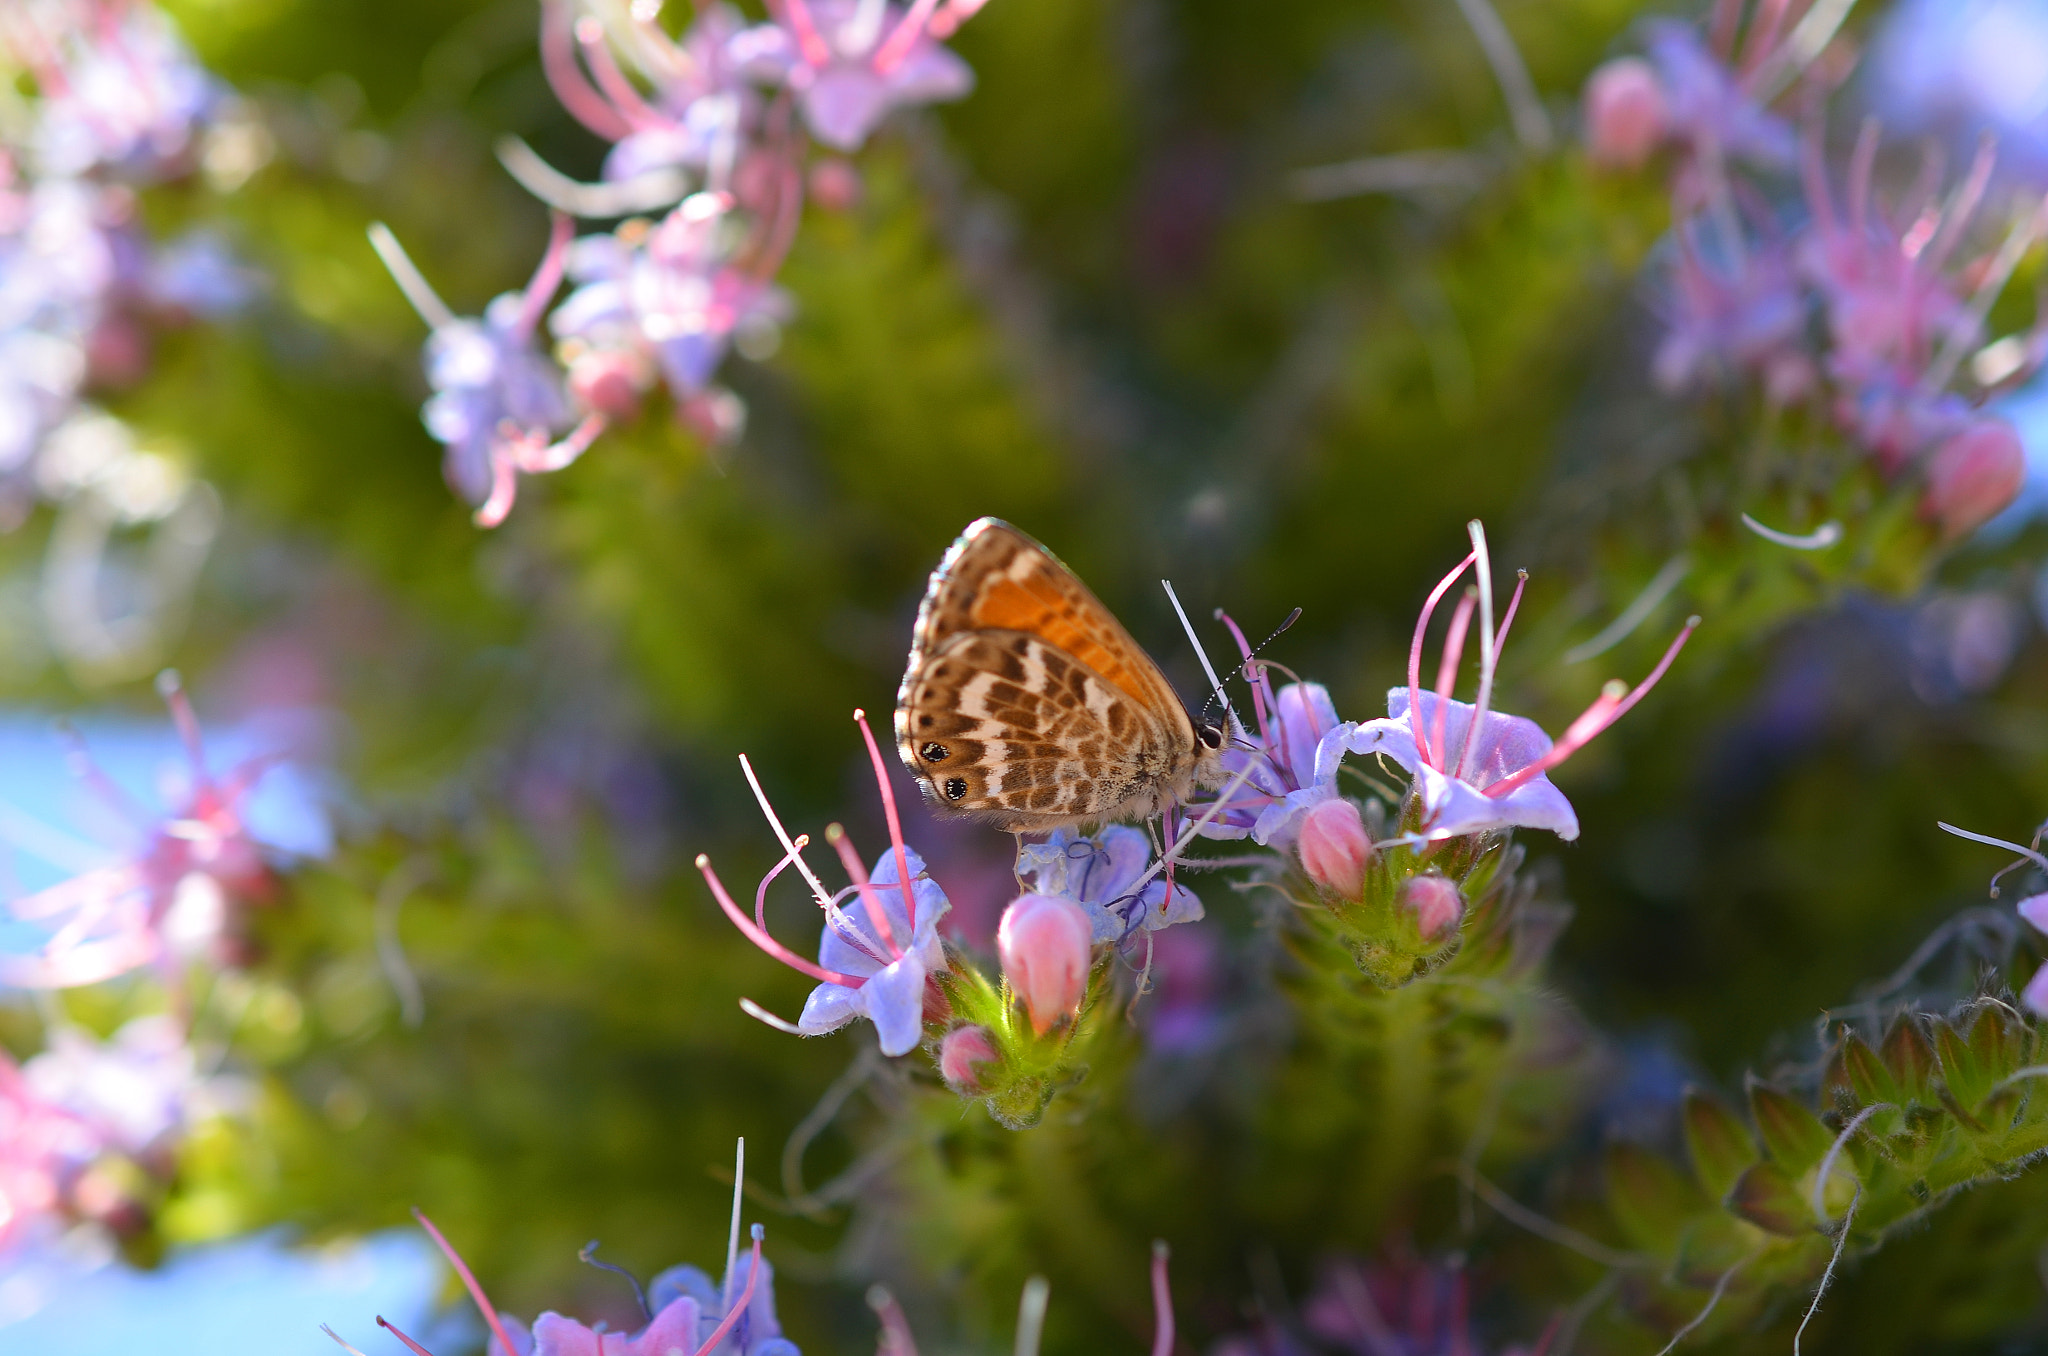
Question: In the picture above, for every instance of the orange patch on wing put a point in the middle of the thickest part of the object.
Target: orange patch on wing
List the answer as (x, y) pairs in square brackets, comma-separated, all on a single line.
[(1009, 606)]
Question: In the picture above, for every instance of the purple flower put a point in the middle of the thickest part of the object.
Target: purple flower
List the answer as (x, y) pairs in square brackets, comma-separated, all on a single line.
[(1477, 770), (1710, 101), (136, 1088), (498, 404), (668, 292), (699, 102), (687, 1312), (1738, 309), (853, 62), (877, 958), (119, 91), (893, 962), (1898, 327), (1097, 871), (42, 1149), (1292, 759)]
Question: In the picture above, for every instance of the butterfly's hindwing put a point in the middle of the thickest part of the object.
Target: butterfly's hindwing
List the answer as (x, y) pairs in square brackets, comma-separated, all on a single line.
[(1003, 725)]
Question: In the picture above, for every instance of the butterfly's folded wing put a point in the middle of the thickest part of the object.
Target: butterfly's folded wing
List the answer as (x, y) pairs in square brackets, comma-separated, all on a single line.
[(1003, 725)]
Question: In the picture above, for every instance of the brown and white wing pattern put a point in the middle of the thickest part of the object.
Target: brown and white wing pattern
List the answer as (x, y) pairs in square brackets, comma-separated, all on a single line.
[(1004, 726), (1026, 702)]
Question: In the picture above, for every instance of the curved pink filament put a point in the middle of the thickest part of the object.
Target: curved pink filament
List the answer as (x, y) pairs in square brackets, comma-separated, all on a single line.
[(817, 52), (565, 75), (1607, 708), (760, 937), (1762, 35), (547, 277), (1162, 1303), (1500, 636), (415, 1348), (1256, 678), (597, 52), (1415, 656), (746, 1298), (857, 872), (897, 46), (469, 1281), (947, 21), (1447, 672), (504, 476), (535, 458), (895, 825)]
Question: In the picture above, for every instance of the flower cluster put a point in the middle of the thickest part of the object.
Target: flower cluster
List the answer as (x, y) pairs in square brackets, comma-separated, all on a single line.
[(704, 132), (1395, 1306), (120, 104), (87, 1127), (1397, 898), (179, 895), (684, 1312), (1871, 312)]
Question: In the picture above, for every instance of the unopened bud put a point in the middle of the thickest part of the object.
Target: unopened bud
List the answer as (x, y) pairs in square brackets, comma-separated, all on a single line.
[(608, 381), (1437, 904), (836, 185), (1626, 113), (1043, 942), (963, 1051), (1973, 476), (1334, 847)]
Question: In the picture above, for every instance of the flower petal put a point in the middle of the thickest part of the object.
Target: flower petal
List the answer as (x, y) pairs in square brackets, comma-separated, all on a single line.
[(893, 999)]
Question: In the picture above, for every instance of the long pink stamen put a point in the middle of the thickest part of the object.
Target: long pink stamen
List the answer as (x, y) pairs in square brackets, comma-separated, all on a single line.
[(895, 1327), (1254, 676), (172, 690), (947, 21), (759, 936), (1500, 637), (1964, 205), (891, 53), (895, 825), (597, 51), (1762, 35), (1162, 1302), (1447, 670), (746, 1297), (415, 1348), (857, 872), (1721, 27), (469, 1281), (536, 459), (498, 503), (1607, 708), (1861, 162), (547, 277), (1415, 657), (817, 52), (565, 75)]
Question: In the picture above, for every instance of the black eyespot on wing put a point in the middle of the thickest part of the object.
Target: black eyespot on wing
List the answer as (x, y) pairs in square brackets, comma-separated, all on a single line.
[(955, 788), (933, 753), (1210, 735)]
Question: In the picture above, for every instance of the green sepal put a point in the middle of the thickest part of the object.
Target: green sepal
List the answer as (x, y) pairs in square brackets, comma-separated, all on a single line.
[(1792, 1135), (1911, 1060), (1764, 1195), (1718, 1141), (1652, 1201)]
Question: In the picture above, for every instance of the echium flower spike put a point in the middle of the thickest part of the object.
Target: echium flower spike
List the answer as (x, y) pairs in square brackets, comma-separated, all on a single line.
[(1475, 769)]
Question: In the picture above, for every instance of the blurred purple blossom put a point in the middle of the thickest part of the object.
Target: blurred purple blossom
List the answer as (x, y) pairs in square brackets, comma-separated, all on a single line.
[(853, 62), (118, 89)]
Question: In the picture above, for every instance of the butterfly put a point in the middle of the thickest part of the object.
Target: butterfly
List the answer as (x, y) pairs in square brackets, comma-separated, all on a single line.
[(1027, 704)]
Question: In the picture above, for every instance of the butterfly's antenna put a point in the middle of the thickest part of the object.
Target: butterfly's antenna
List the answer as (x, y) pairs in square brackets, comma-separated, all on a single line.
[(1245, 670), (1208, 669)]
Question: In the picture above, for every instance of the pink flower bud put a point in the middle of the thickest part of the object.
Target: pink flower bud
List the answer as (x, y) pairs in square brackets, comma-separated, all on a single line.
[(964, 1050), (608, 381), (1043, 941), (1334, 847), (836, 185), (1437, 904), (1972, 476), (1626, 113)]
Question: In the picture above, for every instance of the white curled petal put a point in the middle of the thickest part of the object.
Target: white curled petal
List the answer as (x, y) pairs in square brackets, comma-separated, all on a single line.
[(829, 1007)]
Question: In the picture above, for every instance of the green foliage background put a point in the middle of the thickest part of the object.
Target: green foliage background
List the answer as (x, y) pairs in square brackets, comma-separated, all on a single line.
[(1084, 300)]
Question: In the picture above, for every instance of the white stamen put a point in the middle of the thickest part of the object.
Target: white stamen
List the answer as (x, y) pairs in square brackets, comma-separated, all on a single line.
[(1822, 537), (732, 1243), (2036, 858), (818, 889), (1031, 1315), (1487, 657), (338, 1340), (1172, 853), (410, 280), (767, 1018), (1208, 669), (648, 192), (1525, 109), (1634, 614)]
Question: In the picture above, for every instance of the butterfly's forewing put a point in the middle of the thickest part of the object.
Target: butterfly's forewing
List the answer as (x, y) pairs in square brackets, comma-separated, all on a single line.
[(1026, 702)]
